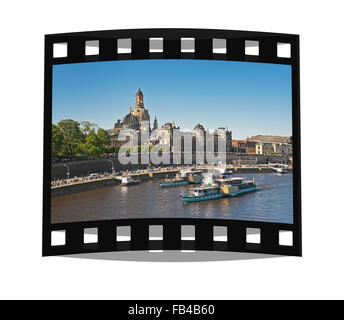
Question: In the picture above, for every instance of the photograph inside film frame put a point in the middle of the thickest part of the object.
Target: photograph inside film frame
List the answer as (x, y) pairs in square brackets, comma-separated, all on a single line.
[(171, 139)]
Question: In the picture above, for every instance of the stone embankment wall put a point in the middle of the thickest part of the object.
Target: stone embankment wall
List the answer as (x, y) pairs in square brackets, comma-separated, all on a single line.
[(101, 183), (85, 167), (83, 186)]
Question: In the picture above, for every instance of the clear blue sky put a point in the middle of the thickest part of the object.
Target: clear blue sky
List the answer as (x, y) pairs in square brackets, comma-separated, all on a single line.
[(250, 98)]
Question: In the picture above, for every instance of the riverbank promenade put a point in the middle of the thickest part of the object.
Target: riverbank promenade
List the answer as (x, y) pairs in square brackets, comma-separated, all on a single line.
[(98, 180)]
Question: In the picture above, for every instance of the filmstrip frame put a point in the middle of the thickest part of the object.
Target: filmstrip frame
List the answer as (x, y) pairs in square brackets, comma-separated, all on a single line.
[(202, 48)]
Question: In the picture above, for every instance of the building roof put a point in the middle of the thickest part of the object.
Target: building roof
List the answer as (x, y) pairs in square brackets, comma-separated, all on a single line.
[(237, 142), (131, 121)]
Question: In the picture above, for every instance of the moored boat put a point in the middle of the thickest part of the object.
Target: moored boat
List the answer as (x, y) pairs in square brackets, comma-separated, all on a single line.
[(128, 181), (228, 180), (196, 177), (280, 170), (186, 172), (183, 178), (174, 182)]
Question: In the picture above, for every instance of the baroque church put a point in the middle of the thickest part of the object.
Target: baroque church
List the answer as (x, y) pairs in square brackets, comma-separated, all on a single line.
[(138, 120), (136, 115)]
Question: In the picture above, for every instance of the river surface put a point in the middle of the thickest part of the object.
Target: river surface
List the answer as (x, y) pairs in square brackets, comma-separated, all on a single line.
[(273, 202)]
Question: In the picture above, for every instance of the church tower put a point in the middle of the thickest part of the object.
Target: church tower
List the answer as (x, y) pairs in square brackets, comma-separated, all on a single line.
[(139, 110), (155, 124), (139, 99)]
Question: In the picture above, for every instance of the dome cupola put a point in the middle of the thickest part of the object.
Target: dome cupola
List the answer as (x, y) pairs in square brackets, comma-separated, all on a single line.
[(130, 121)]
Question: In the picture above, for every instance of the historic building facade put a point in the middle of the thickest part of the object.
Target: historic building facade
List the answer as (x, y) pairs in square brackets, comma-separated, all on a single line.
[(138, 121), (239, 146), (223, 135), (261, 147), (273, 147)]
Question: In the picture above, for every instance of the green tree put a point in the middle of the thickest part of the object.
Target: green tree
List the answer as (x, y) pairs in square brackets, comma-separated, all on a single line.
[(93, 145), (87, 127), (72, 136), (103, 136), (95, 142), (56, 141)]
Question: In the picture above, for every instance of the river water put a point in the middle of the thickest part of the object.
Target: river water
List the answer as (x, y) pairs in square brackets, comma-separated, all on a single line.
[(273, 202)]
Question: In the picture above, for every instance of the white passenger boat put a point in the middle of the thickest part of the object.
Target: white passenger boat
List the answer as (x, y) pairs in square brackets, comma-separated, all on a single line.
[(128, 181), (234, 186), (203, 193)]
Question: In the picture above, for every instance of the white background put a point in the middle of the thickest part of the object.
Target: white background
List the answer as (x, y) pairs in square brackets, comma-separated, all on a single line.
[(25, 274)]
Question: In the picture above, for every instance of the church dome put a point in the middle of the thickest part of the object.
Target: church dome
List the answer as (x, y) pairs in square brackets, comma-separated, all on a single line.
[(199, 127), (131, 121)]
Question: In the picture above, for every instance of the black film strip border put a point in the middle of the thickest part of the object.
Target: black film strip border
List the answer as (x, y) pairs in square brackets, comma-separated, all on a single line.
[(203, 40)]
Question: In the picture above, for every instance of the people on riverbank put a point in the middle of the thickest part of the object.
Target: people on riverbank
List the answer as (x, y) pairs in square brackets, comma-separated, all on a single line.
[(107, 175)]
